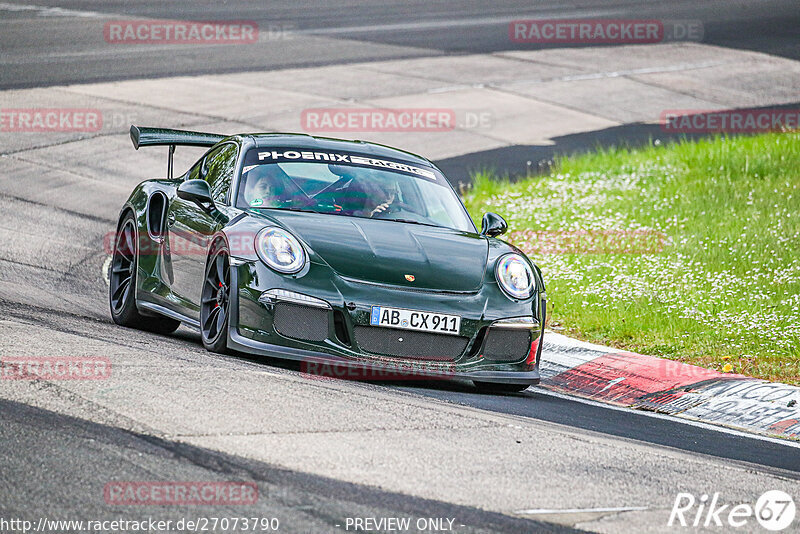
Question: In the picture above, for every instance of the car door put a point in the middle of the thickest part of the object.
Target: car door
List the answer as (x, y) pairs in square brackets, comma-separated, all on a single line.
[(191, 226)]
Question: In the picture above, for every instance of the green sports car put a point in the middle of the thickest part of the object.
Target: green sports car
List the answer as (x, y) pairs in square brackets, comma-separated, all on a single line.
[(340, 254)]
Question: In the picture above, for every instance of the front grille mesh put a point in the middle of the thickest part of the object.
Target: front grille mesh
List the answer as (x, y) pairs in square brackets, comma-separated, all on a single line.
[(301, 322), (414, 345), (506, 345)]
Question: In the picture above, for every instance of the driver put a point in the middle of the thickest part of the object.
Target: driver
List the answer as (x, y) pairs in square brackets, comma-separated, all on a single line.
[(380, 198), (265, 186), (365, 193)]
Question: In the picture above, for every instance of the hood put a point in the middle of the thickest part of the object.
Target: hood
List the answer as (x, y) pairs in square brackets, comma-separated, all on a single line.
[(384, 252)]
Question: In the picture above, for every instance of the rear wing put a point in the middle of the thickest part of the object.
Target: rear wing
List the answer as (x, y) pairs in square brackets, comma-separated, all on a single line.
[(143, 136)]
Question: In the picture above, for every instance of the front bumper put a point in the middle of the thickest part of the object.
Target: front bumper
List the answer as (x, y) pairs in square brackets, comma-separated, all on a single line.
[(253, 329)]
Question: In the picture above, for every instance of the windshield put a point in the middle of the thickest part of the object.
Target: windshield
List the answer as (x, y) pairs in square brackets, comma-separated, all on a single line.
[(349, 185)]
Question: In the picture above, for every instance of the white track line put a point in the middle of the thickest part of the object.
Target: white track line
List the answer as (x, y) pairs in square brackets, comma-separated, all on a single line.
[(547, 511), (674, 418), (50, 11), (445, 24), (106, 266)]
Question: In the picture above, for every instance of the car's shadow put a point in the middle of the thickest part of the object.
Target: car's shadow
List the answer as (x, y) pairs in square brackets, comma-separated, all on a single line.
[(422, 386)]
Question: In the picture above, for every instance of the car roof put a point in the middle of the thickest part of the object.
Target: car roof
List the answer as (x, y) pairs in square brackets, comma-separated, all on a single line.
[(293, 140)]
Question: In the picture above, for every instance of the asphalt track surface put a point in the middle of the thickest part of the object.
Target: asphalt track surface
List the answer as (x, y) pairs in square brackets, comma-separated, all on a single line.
[(51, 450), (53, 301), (44, 46)]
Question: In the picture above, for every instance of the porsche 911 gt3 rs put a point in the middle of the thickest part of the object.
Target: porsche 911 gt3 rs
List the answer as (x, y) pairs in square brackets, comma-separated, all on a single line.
[(329, 252)]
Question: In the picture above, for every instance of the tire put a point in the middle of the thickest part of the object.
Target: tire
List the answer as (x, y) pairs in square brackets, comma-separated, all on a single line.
[(215, 300), (496, 387), (122, 284)]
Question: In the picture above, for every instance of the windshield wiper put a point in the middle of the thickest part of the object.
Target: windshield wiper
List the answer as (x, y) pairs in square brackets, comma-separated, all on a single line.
[(409, 221)]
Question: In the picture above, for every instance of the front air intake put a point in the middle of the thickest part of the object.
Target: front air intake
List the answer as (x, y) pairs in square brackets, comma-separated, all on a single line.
[(301, 322), (410, 344), (507, 345)]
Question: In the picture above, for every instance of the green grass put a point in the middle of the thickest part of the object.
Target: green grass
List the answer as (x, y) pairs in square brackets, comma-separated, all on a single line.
[(725, 286)]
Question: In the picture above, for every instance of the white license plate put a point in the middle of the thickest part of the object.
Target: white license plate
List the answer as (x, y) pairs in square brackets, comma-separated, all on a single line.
[(415, 320)]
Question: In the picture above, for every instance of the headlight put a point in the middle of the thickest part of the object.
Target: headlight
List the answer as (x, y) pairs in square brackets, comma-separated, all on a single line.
[(280, 250), (515, 276)]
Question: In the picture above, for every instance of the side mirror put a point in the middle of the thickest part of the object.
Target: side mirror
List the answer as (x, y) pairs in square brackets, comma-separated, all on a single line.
[(493, 225), (196, 191)]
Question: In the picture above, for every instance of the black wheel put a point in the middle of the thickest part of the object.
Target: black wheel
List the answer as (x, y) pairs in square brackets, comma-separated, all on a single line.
[(122, 284), (215, 300), (495, 387)]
